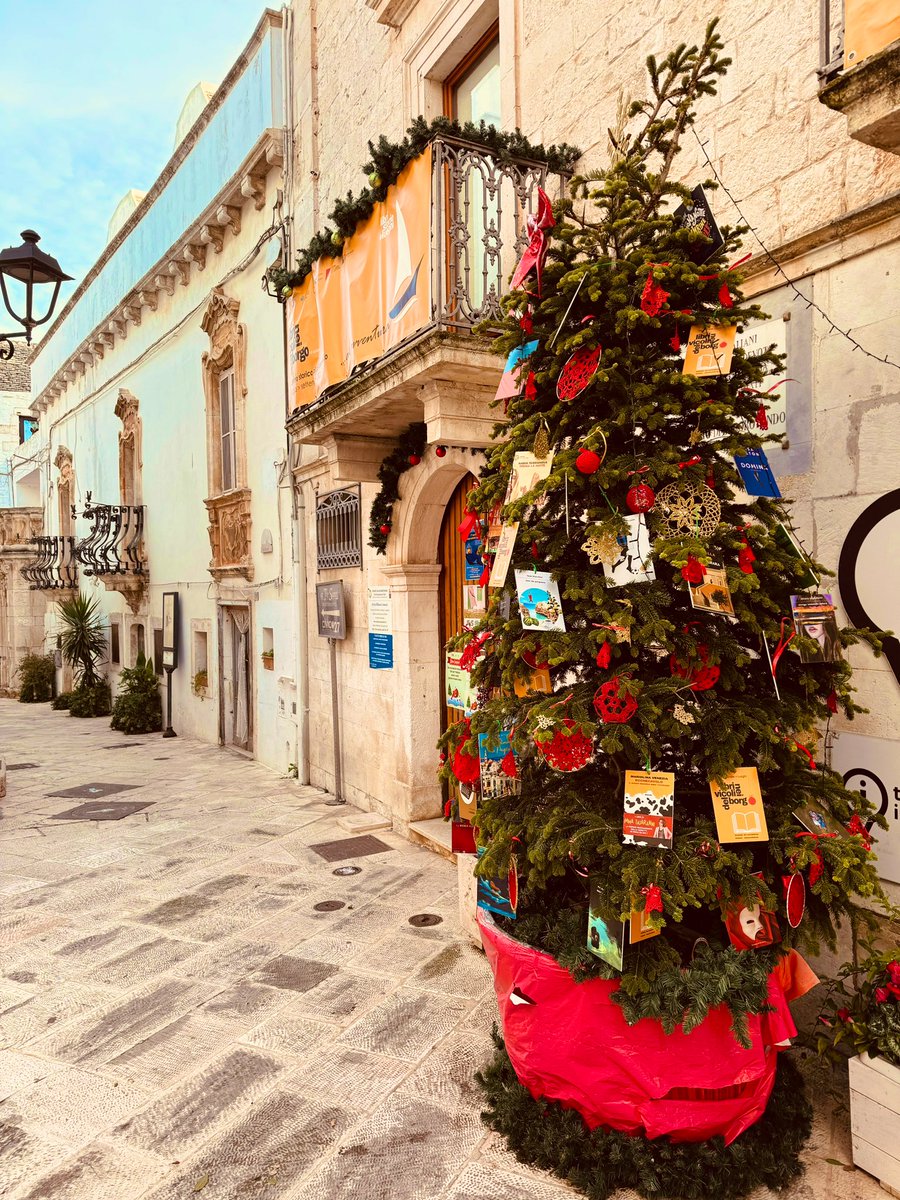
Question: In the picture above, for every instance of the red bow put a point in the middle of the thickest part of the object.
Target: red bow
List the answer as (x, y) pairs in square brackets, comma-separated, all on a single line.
[(856, 826), (690, 462), (654, 898), (693, 570), (654, 295), (467, 524), (783, 644), (472, 651), (538, 242), (815, 871), (530, 387)]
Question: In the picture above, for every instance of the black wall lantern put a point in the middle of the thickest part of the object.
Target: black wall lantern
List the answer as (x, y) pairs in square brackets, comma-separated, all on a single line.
[(30, 267)]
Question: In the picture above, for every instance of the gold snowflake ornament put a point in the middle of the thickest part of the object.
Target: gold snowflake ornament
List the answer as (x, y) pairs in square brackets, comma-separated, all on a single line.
[(688, 508), (601, 546)]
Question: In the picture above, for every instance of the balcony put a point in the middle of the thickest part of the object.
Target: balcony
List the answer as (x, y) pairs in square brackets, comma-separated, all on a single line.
[(441, 372), (113, 551), (860, 68), (55, 568)]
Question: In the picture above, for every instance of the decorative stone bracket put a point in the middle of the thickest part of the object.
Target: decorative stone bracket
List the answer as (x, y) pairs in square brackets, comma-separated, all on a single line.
[(229, 535)]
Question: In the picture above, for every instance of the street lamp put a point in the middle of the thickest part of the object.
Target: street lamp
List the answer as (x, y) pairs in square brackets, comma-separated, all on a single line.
[(30, 266)]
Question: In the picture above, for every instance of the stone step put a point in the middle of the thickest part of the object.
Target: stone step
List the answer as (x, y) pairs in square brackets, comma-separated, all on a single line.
[(433, 834)]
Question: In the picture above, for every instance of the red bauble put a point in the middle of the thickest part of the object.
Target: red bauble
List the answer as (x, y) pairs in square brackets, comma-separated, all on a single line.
[(466, 767), (604, 656), (614, 707), (701, 678), (746, 558), (577, 373), (532, 657), (692, 571), (385, 529), (414, 460), (640, 498), (568, 749), (588, 461), (440, 451)]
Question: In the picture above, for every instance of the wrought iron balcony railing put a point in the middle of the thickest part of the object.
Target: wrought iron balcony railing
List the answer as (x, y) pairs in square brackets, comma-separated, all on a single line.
[(115, 544), (55, 566), (831, 39), (481, 205)]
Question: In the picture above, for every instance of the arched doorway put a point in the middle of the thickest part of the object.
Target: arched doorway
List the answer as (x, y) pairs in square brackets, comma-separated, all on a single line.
[(452, 581)]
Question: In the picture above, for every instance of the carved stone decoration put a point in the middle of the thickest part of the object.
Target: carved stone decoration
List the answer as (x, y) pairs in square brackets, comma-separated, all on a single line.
[(195, 252), (165, 283), (19, 525), (229, 535), (230, 215), (213, 235), (130, 449), (253, 186)]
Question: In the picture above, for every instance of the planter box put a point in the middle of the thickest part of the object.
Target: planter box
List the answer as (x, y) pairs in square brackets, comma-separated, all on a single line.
[(269, 664), (875, 1119)]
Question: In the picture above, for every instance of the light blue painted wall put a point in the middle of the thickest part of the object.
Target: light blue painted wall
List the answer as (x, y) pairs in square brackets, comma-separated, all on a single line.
[(253, 105)]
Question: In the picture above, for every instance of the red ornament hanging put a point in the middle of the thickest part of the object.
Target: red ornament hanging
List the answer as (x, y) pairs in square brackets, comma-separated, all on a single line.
[(831, 701), (693, 570), (762, 419), (653, 902), (578, 372), (746, 557), (675, 342), (525, 322), (856, 826), (613, 706), (414, 460), (604, 656), (534, 550), (653, 297), (467, 524), (701, 678), (568, 750), (537, 224), (440, 451), (466, 767), (640, 498), (530, 387), (535, 659), (725, 297), (385, 529), (508, 765), (587, 462)]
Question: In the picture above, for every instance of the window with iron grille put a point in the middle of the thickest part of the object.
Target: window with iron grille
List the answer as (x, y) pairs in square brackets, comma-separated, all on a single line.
[(338, 530)]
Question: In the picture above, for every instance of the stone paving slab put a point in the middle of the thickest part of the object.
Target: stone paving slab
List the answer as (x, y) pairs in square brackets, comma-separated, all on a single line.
[(177, 1018)]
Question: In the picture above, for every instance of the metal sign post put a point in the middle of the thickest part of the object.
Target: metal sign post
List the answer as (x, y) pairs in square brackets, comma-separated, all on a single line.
[(332, 623), (170, 652)]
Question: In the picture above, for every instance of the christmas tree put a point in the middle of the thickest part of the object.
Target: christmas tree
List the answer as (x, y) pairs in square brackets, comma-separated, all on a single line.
[(658, 656)]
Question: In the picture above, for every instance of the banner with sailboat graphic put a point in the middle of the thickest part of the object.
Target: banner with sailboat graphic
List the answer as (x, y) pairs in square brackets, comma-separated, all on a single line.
[(355, 308)]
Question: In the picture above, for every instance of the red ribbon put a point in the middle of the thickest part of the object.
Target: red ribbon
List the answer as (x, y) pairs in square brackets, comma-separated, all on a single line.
[(473, 649), (485, 578), (530, 387), (467, 524), (815, 871), (856, 826), (783, 644), (654, 898), (690, 462), (762, 420)]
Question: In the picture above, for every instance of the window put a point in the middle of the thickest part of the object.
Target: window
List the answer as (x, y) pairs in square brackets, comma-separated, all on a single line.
[(138, 645), (115, 650), (338, 532), (227, 430), (472, 89), (27, 428), (158, 651)]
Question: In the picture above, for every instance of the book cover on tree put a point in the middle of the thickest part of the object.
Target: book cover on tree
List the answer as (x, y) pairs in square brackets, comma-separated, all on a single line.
[(664, 620)]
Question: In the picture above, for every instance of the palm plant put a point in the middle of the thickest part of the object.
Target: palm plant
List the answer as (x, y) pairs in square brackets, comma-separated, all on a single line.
[(83, 637)]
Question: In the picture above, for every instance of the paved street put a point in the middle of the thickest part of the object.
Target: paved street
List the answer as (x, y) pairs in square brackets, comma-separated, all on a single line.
[(194, 1002)]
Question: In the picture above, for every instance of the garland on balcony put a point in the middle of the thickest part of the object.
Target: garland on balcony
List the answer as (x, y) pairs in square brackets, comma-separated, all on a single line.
[(407, 453), (388, 160)]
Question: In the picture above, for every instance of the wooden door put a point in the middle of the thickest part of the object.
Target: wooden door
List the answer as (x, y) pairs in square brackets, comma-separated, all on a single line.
[(451, 556)]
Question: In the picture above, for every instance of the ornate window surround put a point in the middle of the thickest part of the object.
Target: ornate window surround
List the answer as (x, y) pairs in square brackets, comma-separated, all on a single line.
[(130, 448)]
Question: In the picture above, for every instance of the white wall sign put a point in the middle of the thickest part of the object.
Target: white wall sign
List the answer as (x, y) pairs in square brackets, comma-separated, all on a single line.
[(871, 766), (755, 339), (381, 629)]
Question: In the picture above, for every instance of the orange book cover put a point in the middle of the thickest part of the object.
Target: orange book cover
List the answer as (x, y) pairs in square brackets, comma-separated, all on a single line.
[(738, 805), (709, 350)]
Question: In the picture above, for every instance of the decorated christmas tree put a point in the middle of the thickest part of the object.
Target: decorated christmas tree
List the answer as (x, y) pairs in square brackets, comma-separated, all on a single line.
[(641, 769)]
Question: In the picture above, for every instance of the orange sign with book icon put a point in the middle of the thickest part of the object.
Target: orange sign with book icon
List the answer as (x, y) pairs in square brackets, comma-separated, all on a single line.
[(354, 308), (738, 805)]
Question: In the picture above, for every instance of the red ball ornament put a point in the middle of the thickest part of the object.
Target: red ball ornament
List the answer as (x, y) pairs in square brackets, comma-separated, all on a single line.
[(440, 451), (568, 750), (536, 659), (640, 498), (604, 656), (414, 460), (692, 571), (587, 462), (466, 767), (701, 678), (612, 706), (385, 529)]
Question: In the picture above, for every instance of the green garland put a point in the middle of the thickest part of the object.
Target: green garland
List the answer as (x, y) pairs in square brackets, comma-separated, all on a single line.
[(410, 445), (388, 160), (545, 1135)]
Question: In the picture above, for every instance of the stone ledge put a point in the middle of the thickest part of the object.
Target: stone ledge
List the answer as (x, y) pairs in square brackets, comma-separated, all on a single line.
[(869, 96)]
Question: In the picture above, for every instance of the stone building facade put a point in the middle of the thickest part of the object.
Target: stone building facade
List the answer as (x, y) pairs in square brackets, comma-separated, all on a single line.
[(821, 200), (159, 465)]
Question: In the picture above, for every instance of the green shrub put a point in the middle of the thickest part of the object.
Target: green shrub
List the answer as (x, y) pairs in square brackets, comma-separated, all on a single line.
[(61, 702), (91, 700), (138, 708), (37, 673)]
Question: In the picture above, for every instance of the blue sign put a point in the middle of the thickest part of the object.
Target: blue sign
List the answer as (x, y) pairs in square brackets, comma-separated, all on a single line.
[(381, 651), (474, 564), (756, 474)]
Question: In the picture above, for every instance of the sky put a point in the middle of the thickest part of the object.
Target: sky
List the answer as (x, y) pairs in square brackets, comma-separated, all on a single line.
[(90, 93)]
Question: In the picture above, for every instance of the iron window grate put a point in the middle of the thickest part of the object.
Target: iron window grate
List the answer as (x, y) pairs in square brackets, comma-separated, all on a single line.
[(338, 530)]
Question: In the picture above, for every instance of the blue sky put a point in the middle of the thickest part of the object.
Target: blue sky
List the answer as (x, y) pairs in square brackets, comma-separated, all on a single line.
[(90, 93)]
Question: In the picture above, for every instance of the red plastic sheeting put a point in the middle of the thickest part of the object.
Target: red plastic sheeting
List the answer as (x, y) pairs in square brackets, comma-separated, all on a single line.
[(570, 1042)]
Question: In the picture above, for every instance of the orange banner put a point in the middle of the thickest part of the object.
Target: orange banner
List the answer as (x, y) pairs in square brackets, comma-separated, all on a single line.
[(357, 307)]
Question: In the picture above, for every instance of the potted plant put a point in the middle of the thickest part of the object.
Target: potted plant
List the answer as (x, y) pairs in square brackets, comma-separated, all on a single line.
[(268, 659), (82, 642), (200, 684), (861, 1015), (138, 708)]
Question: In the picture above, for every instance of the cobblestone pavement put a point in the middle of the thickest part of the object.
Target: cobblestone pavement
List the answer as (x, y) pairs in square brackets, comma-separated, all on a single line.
[(192, 1002)]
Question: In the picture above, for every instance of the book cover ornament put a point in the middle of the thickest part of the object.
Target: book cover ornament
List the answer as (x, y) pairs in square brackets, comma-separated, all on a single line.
[(712, 593), (649, 814), (697, 214), (495, 783), (737, 803), (513, 378), (634, 563), (815, 621), (756, 474), (539, 604), (605, 938), (709, 350), (499, 893)]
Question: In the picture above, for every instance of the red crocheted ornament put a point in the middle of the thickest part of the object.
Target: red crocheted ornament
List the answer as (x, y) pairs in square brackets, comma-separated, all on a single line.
[(640, 498), (653, 902), (578, 372), (588, 461), (653, 297), (701, 678), (612, 706), (466, 767), (568, 750)]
